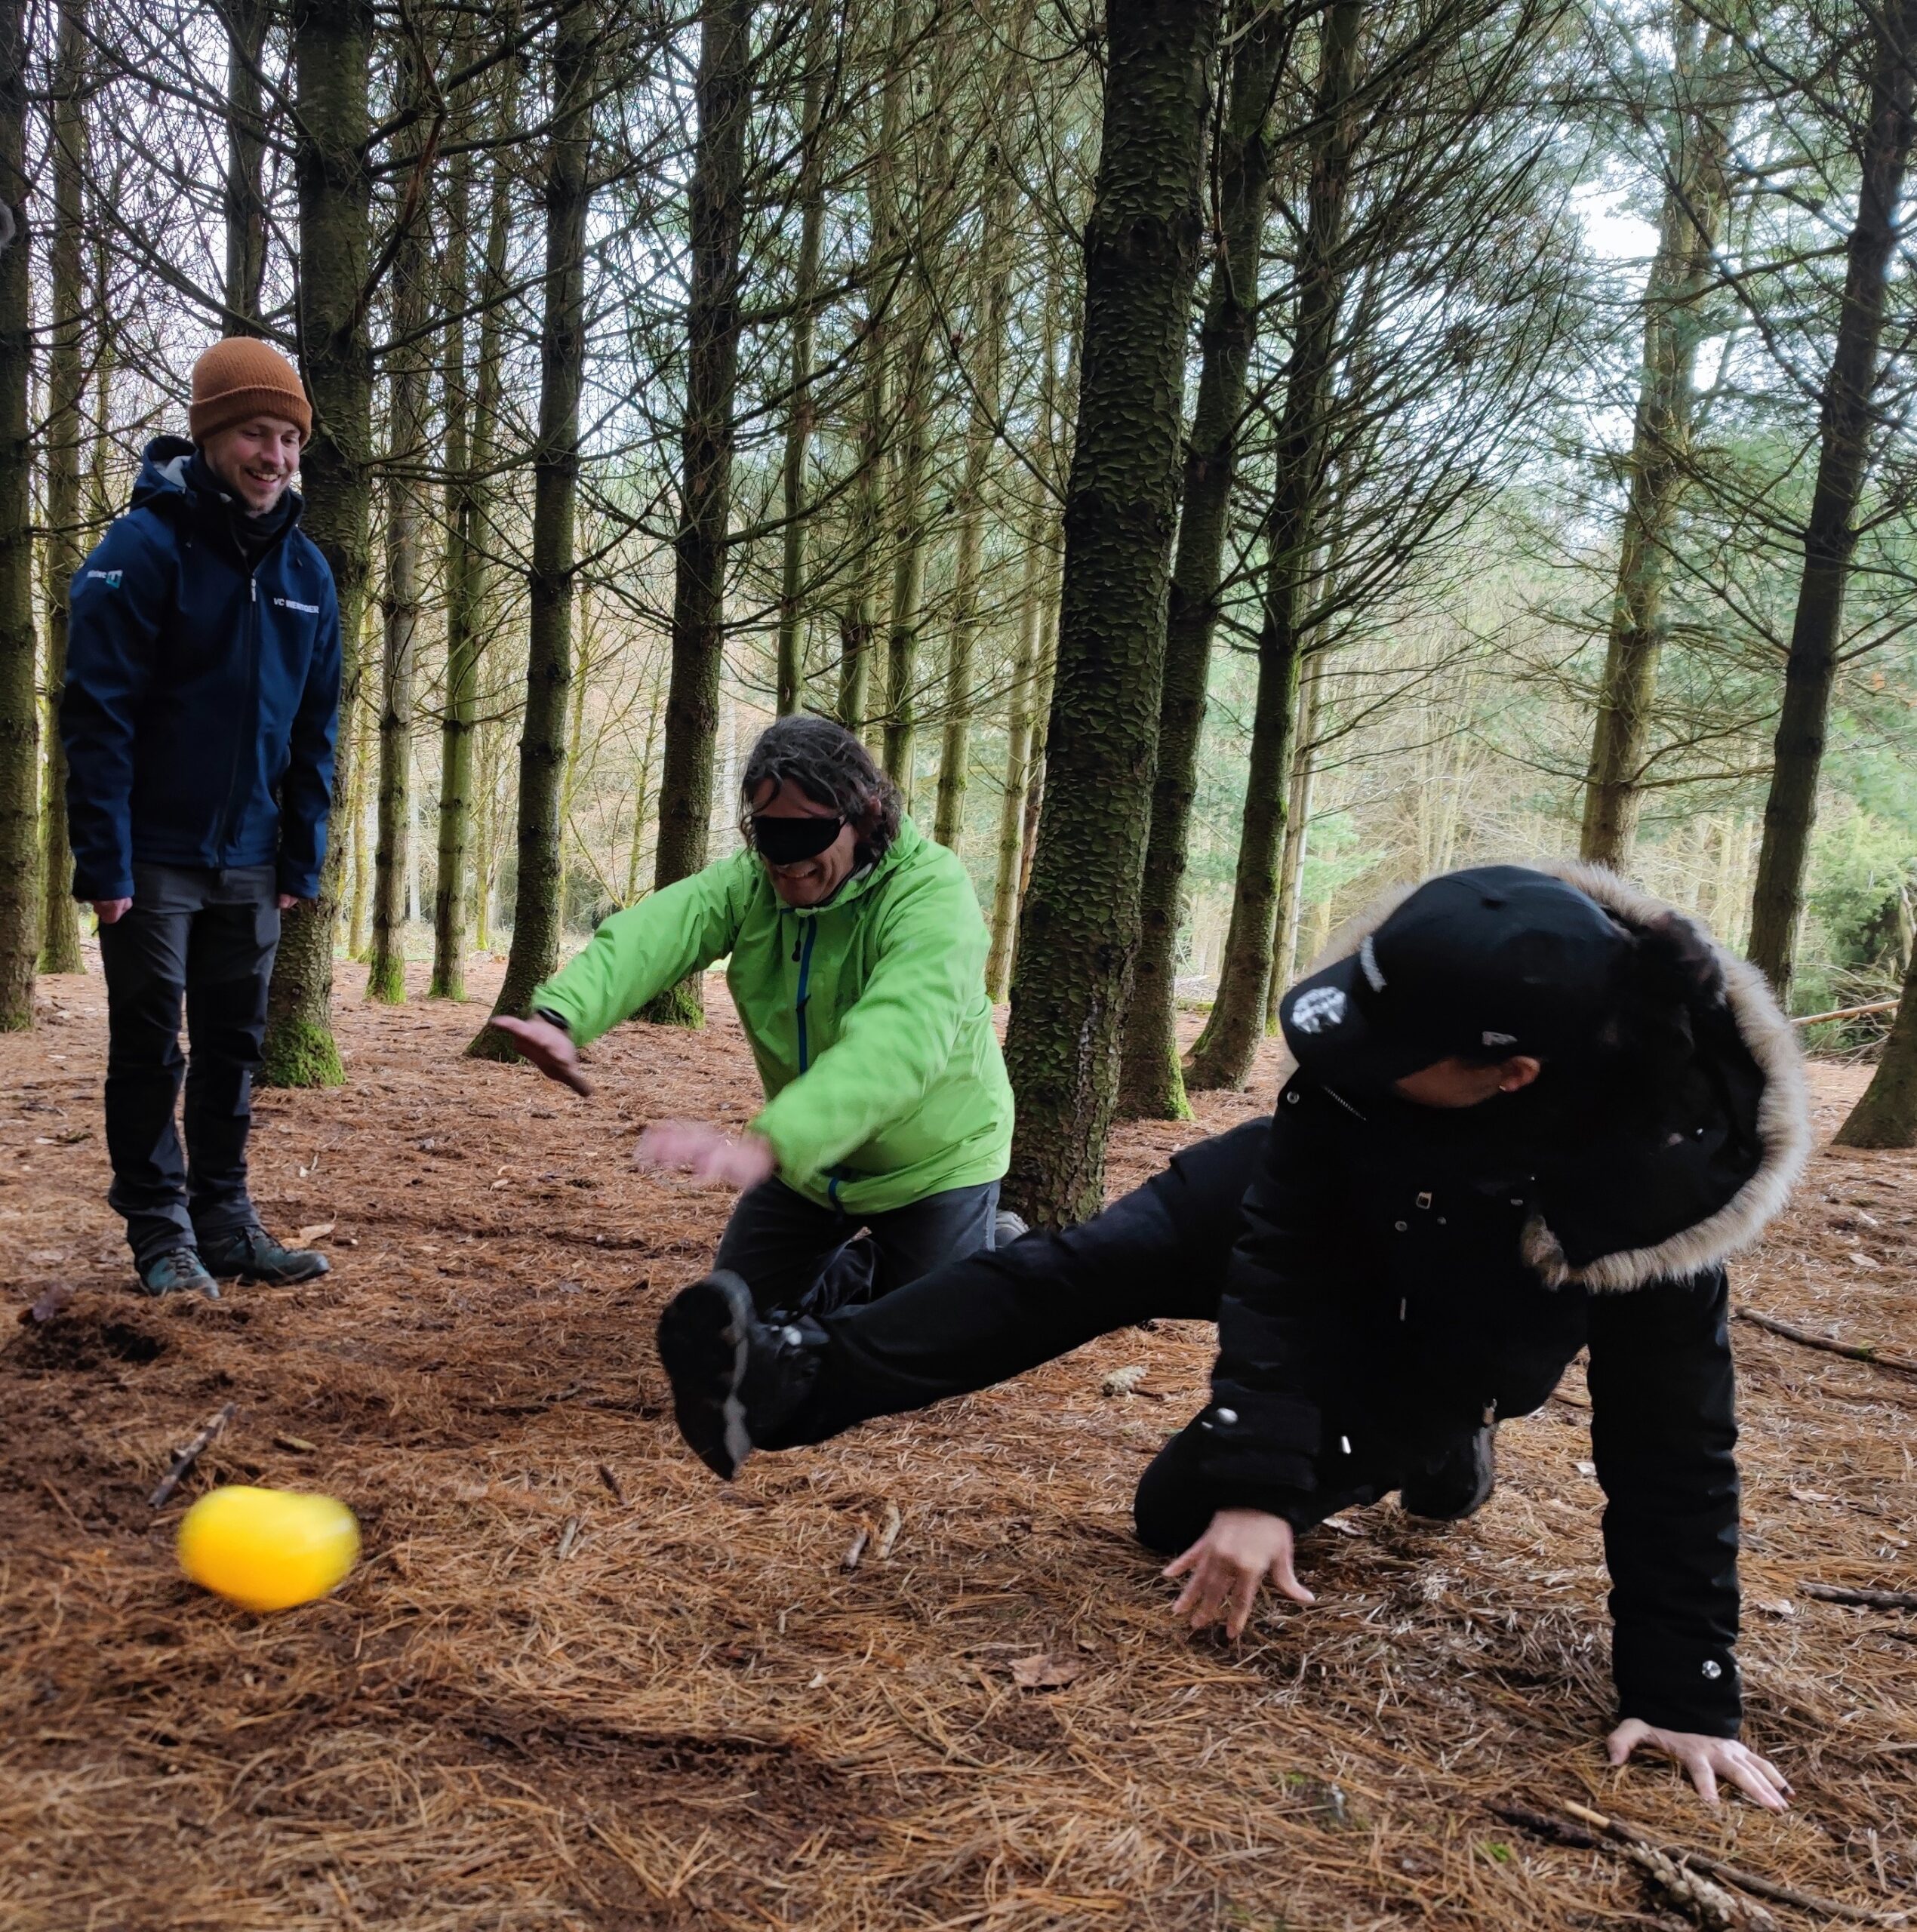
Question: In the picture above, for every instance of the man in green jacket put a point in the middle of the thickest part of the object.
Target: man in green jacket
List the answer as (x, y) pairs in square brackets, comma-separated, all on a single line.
[(857, 956)]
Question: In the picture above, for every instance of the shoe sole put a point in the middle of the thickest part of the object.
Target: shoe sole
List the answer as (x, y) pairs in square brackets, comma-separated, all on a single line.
[(1487, 1486), (268, 1281), (703, 1343)]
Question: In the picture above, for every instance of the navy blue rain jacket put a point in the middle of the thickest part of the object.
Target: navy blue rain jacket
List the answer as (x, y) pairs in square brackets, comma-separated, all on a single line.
[(202, 696)]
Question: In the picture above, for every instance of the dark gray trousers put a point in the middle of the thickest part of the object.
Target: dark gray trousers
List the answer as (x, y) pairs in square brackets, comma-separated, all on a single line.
[(206, 939), (798, 1258)]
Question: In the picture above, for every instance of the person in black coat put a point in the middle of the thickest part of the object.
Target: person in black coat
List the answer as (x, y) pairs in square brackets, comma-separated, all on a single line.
[(1532, 1114)]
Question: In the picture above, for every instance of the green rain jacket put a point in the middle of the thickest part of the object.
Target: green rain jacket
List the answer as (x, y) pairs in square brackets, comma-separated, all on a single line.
[(867, 1016)]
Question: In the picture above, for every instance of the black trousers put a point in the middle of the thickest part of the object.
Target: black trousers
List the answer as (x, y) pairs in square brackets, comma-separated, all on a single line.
[(206, 939), (798, 1258), (1159, 1251)]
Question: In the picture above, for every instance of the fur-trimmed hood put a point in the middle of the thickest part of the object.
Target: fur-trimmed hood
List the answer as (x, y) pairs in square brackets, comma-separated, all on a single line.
[(1779, 1113)]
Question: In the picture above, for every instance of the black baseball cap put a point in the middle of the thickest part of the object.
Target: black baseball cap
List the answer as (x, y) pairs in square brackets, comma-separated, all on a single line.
[(1494, 960)]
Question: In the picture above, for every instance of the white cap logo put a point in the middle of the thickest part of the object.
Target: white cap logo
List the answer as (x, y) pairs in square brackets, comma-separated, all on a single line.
[(1318, 1011)]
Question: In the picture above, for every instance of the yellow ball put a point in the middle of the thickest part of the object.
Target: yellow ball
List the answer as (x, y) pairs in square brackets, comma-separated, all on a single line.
[(268, 1549)]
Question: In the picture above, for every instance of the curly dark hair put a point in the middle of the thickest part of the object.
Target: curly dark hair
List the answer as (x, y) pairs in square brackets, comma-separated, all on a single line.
[(831, 768)]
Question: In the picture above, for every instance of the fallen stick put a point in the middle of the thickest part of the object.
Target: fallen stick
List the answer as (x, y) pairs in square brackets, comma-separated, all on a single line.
[(888, 1534), (1848, 1013), (858, 1550), (1851, 1351), (183, 1459), (1733, 1875), (611, 1481), (1870, 1599)]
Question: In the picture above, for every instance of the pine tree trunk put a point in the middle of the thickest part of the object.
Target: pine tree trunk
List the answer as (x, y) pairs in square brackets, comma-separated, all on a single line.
[(1887, 1115), (1829, 538), (20, 732), (1225, 1049), (67, 382), (1681, 274), (791, 671), (643, 794), (1151, 1086), (1297, 830), (858, 622), (332, 51), (246, 203), (1020, 703), (361, 724), (386, 974), (537, 912), (910, 533), (723, 96), (1078, 927)]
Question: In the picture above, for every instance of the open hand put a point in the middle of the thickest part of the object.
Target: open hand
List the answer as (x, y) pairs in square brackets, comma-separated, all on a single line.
[(708, 1152), (1241, 1549), (1706, 1759), (548, 1047)]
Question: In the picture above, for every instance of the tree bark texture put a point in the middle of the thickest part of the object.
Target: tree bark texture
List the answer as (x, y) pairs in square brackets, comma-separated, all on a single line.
[(19, 771), (1847, 417), (717, 219), (1151, 1085), (536, 913), (1682, 274), (1225, 1049), (67, 382), (1887, 1115), (1297, 830), (1078, 927), (472, 436), (1020, 722), (385, 976), (246, 148), (332, 50), (790, 675)]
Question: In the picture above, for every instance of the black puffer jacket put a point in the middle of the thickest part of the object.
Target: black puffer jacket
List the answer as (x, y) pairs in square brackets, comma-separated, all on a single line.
[(1404, 1271)]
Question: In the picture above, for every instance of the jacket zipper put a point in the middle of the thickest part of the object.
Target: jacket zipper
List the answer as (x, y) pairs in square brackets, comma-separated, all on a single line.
[(805, 974), (252, 694)]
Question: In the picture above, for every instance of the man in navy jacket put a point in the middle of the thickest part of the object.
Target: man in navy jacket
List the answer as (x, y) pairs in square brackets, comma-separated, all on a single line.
[(201, 707)]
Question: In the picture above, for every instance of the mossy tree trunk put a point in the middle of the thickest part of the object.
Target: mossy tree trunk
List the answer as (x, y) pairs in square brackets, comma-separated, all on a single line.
[(790, 675), (332, 52), (67, 382), (20, 721), (1847, 419), (567, 196), (1078, 927), (717, 220), (1887, 1115), (1224, 1051), (1151, 1086), (1683, 273), (1021, 702), (246, 149)]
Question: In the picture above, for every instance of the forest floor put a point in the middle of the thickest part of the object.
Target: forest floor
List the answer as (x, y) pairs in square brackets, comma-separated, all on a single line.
[(575, 1682)]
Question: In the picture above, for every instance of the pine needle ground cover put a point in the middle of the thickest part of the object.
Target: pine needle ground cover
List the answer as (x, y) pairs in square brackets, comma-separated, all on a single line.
[(575, 1684)]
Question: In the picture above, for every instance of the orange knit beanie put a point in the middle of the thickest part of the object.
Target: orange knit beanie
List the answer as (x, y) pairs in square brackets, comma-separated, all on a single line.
[(242, 378)]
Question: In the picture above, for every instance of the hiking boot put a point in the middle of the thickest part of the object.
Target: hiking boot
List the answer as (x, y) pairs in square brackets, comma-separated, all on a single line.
[(734, 1376), (177, 1271), (1007, 1227), (251, 1254), (1459, 1484)]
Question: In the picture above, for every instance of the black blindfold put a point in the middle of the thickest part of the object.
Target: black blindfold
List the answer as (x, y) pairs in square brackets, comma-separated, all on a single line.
[(785, 842)]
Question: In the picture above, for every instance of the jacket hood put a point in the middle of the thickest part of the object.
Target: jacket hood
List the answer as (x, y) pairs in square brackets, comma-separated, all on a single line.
[(1782, 1123), (163, 478)]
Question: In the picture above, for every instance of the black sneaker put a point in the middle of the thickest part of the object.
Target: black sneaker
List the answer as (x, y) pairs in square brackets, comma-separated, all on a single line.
[(1459, 1484), (177, 1271), (251, 1254), (731, 1370)]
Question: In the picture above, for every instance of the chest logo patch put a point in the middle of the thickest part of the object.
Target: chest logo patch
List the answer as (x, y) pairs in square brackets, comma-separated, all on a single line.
[(110, 578), (1319, 1010), (305, 609)]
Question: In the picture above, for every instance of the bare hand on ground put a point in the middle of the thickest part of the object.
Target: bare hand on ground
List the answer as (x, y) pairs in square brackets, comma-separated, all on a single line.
[(109, 910), (1241, 1548), (1706, 1759), (708, 1152), (548, 1047)]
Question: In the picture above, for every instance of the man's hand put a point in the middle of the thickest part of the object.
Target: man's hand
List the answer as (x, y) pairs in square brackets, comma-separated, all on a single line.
[(107, 911), (1705, 1760), (1238, 1552), (549, 1047), (287, 900), (710, 1153)]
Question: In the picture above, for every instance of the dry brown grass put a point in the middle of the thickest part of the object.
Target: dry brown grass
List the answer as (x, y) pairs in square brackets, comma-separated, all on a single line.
[(697, 1717)]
